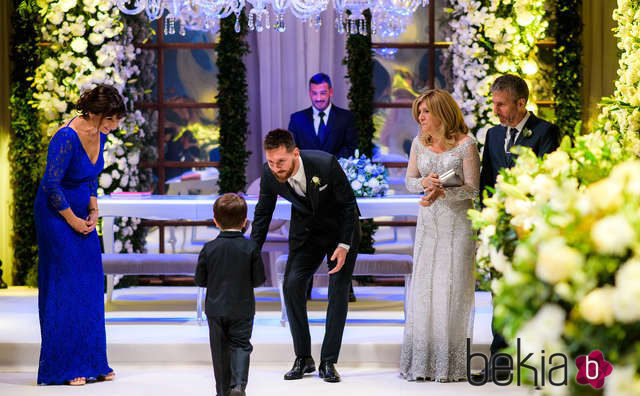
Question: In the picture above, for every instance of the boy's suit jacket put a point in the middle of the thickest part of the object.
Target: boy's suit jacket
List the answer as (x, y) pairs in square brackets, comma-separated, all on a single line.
[(230, 267)]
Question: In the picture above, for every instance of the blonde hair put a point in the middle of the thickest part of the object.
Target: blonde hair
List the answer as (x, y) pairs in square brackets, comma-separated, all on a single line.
[(442, 106)]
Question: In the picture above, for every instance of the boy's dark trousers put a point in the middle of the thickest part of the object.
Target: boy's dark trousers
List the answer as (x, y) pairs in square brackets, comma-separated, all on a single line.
[(230, 350)]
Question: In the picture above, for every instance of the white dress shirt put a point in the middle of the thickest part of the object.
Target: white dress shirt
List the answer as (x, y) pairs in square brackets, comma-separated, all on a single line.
[(299, 180), (316, 117), (517, 130)]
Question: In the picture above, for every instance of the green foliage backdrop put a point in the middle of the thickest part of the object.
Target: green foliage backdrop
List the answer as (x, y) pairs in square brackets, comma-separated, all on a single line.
[(568, 73), (232, 99), (27, 149)]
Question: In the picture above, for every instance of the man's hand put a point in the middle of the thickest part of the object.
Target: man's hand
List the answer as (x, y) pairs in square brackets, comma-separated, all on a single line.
[(340, 254)]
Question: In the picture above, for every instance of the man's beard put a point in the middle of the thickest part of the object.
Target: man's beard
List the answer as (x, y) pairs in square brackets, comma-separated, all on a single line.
[(283, 179)]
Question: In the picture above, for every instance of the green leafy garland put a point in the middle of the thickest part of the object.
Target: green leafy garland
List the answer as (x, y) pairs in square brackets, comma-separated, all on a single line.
[(568, 72), (359, 61), (232, 99), (27, 146)]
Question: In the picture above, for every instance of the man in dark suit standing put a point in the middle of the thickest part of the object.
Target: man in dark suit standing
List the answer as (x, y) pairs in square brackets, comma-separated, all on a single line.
[(324, 222), (324, 126), (518, 127)]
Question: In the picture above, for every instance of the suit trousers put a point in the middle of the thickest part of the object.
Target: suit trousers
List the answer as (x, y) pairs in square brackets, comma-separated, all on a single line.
[(230, 350), (301, 265)]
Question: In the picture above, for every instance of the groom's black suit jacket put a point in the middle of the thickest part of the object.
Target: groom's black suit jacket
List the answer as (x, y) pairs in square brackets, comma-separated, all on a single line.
[(544, 139), (329, 213)]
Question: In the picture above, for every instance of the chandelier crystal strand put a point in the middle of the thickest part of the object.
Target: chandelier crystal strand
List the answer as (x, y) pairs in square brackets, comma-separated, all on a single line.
[(392, 16)]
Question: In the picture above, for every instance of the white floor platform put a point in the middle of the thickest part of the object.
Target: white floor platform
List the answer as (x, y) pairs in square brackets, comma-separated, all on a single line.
[(157, 347)]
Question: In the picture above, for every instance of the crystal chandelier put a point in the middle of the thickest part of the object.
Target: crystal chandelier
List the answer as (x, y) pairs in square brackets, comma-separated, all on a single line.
[(389, 17)]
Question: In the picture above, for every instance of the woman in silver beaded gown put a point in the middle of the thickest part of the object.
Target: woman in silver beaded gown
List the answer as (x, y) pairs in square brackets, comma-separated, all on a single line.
[(441, 299)]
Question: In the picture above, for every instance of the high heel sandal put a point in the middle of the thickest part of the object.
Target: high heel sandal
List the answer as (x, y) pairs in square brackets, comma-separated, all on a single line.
[(107, 377), (78, 381)]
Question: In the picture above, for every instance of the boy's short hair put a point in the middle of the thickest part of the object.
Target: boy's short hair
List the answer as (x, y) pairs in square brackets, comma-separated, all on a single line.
[(230, 210), (279, 138)]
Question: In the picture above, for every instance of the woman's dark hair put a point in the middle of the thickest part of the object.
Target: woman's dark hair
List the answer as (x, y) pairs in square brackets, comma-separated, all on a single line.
[(104, 100)]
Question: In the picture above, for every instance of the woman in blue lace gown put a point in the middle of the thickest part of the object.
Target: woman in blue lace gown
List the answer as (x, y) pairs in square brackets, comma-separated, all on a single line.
[(70, 276)]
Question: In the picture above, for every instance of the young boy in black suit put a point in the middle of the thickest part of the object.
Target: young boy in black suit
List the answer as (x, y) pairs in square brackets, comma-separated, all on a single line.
[(230, 267)]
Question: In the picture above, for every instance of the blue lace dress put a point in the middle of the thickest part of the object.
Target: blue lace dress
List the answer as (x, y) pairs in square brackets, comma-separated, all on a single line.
[(70, 276)]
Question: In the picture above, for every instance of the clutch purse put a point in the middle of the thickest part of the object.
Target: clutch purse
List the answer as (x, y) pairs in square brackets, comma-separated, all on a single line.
[(450, 179)]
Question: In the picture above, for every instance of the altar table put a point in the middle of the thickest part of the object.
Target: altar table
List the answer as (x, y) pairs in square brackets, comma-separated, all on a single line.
[(200, 207)]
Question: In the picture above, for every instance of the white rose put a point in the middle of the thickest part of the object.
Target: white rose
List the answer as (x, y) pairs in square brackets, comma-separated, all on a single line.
[(124, 181), (66, 5), (612, 235), (78, 29), (543, 188), (627, 292), (623, 381), (133, 157), (373, 183), (105, 180), (356, 185), (596, 307), (557, 261), (96, 38), (51, 65), (79, 45), (117, 246), (115, 174), (498, 259), (55, 18), (606, 195), (557, 163)]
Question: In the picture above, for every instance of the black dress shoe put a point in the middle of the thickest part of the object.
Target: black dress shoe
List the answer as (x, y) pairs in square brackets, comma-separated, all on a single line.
[(328, 372), (237, 390), (352, 296), (301, 366)]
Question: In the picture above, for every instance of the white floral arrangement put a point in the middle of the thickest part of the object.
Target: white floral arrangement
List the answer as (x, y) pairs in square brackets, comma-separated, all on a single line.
[(560, 237), (367, 179), (485, 45), (89, 45)]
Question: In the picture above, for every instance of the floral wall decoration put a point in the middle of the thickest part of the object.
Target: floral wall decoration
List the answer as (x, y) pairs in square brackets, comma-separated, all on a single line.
[(559, 240), (88, 42), (490, 38)]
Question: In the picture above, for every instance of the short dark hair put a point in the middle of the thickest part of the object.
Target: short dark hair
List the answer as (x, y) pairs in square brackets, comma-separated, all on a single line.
[(104, 100), (230, 211), (515, 85), (320, 78), (278, 138)]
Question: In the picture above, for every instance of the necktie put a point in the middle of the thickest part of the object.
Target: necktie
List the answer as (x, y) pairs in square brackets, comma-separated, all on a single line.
[(512, 138), (322, 127)]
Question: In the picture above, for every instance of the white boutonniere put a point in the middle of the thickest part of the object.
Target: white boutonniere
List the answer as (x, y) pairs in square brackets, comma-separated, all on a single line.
[(315, 180), (526, 132)]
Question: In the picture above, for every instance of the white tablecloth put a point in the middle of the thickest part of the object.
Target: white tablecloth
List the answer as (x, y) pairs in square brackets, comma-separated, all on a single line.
[(200, 207)]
